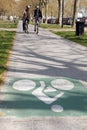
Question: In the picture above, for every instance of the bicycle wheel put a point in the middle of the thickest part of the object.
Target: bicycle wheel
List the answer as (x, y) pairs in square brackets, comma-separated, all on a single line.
[(37, 27)]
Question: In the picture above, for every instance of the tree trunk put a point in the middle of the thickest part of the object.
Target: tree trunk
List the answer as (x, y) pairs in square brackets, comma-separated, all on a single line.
[(59, 4), (61, 12), (46, 12), (60, 17), (75, 11)]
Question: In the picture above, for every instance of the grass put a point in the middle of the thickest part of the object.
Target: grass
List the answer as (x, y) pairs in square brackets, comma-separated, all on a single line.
[(8, 24), (6, 43), (49, 26), (52, 26), (70, 35)]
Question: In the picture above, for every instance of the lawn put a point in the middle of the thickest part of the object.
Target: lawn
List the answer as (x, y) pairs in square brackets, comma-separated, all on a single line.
[(52, 26), (8, 24), (70, 35), (49, 26), (6, 43)]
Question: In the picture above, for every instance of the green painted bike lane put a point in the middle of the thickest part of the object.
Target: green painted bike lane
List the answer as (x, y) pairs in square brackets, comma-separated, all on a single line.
[(25, 97)]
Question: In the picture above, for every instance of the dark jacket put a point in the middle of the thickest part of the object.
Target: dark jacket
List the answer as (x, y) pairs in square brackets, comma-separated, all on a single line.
[(37, 13)]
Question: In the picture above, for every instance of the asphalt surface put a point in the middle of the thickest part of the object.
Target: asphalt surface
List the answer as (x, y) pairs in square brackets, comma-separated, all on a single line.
[(45, 55)]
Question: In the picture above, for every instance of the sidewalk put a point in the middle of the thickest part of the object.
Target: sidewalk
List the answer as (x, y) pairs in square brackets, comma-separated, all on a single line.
[(47, 55), (44, 56)]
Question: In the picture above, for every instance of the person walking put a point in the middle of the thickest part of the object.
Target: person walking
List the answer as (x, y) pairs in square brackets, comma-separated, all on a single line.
[(26, 17)]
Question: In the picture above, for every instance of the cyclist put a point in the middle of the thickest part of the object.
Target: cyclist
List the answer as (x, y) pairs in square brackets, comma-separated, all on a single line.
[(26, 17), (37, 15)]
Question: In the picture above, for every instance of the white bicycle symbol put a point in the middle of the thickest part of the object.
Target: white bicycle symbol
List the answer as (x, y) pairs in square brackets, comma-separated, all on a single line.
[(61, 84)]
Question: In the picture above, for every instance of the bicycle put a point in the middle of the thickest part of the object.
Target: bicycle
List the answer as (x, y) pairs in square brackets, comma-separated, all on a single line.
[(37, 24)]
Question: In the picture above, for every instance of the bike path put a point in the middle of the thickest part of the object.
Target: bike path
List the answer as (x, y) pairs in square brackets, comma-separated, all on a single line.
[(45, 80), (25, 97)]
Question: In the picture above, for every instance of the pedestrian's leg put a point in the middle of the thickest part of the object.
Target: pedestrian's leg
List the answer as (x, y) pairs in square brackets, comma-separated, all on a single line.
[(28, 25), (35, 25), (23, 26)]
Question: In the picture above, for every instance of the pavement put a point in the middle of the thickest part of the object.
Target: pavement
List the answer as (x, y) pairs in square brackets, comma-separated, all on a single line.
[(46, 84)]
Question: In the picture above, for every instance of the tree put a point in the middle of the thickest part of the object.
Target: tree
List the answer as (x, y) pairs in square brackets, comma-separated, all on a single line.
[(61, 12), (75, 10), (45, 4), (68, 10), (7, 7), (59, 9)]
